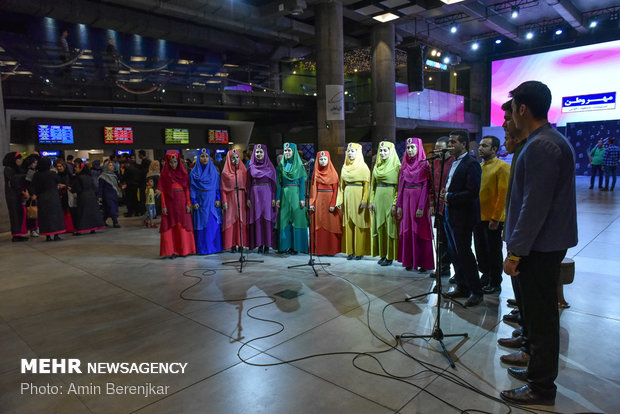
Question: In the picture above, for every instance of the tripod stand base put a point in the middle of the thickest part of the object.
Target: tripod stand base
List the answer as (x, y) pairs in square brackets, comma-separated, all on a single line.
[(241, 260), (437, 335), (311, 263)]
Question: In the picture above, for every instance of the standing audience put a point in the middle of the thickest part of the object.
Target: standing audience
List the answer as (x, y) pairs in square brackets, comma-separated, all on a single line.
[(610, 164), (88, 216), (596, 160), (45, 185), (108, 192), (15, 194)]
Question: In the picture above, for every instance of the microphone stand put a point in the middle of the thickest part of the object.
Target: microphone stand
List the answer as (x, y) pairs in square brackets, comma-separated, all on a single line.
[(437, 333), (311, 262), (242, 259)]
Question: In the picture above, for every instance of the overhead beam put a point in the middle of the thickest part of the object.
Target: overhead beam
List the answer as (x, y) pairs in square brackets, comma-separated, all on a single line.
[(568, 12), (436, 36), (491, 19)]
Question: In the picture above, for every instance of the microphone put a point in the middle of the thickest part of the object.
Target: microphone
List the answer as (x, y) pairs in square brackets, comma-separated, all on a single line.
[(434, 157), (310, 161), (444, 149)]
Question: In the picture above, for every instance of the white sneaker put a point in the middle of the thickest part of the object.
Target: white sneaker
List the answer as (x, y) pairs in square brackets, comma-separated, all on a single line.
[(34, 233)]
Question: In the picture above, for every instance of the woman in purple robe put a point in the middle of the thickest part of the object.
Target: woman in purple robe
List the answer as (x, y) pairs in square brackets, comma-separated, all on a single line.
[(261, 185), (416, 233)]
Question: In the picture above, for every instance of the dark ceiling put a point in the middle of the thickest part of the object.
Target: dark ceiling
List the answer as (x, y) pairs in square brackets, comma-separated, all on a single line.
[(238, 40)]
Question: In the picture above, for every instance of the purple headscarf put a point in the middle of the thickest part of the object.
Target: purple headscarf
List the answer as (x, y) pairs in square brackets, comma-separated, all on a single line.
[(261, 168), (410, 167)]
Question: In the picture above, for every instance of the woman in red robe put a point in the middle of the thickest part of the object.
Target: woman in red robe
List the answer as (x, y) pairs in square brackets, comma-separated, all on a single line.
[(326, 227), (176, 229), (231, 207)]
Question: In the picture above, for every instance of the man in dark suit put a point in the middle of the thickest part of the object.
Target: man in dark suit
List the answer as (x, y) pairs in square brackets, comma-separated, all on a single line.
[(541, 224), (462, 213)]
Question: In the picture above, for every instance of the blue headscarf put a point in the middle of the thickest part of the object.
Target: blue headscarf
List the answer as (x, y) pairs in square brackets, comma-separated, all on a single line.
[(204, 177)]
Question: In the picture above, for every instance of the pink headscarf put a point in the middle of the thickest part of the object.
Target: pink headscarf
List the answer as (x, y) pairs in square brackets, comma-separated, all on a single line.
[(411, 167)]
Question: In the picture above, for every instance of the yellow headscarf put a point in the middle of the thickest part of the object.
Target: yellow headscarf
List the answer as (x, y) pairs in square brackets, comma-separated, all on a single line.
[(386, 171), (355, 170)]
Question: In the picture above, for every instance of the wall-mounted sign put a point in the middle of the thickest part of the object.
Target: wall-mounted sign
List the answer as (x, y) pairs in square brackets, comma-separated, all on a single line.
[(55, 134), (334, 100), (118, 135)]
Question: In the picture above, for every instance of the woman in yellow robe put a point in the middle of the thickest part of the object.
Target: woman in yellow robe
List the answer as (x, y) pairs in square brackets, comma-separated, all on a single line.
[(383, 196), (353, 200)]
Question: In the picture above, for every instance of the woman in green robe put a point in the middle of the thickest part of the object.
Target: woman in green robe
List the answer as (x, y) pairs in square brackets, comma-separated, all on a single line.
[(292, 220), (383, 196)]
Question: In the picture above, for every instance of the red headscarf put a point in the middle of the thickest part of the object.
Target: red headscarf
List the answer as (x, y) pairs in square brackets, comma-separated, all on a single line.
[(170, 176), (410, 167), (228, 173), (324, 175)]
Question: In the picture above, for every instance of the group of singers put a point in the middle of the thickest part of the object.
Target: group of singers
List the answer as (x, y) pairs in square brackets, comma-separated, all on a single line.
[(382, 213)]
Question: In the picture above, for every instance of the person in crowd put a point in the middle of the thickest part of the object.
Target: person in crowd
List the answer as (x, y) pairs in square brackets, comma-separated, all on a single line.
[(95, 172), (176, 228), (69, 163), (15, 194), (261, 201), (151, 207), (145, 164), (30, 167), (67, 198), (416, 233), (108, 192), (326, 219), (440, 177), (45, 190), (290, 193), (541, 224), (153, 172), (514, 142), (610, 164), (205, 195), (131, 179), (353, 195), (461, 197), (383, 196), (488, 233), (596, 161), (88, 216), (234, 206)]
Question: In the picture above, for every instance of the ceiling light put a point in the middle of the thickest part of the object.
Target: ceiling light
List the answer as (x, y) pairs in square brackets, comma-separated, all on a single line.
[(446, 60), (231, 65), (454, 74), (438, 53), (558, 32), (498, 41), (529, 35), (385, 17), (433, 52), (185, 62), (214, 81), (206, 75), (475, 46), (221, 74), (515, 12), (294, 72), (451, 1), (430, 78), (453, 29), (593, 24), (138, 59)]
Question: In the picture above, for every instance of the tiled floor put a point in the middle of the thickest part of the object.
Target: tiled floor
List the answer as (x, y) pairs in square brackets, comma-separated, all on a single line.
[(109, 298)]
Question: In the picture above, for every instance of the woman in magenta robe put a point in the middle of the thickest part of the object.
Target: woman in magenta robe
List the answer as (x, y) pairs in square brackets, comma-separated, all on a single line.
[(416, 234), (232, 235), (261, 200), (176, 229)]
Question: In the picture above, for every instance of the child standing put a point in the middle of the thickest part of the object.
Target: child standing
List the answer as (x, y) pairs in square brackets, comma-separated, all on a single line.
[(150, 203)]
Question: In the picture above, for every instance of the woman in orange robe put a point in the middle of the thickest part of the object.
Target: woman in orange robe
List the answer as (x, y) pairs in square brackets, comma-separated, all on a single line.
[(326, 219), (231, 238)]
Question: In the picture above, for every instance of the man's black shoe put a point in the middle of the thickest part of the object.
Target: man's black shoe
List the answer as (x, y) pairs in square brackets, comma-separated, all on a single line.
[(387, 263), (491, 289), (350, 257), (518, 373), (455, 292), (452, 280), (380, 262), (473, 300), (526, 396), (512, 317)]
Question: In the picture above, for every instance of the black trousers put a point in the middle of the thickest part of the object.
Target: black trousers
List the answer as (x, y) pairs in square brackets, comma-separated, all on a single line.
[(488, 244), (538, 279), (462, 257), (597, 169), (131, 195), (444, 257)]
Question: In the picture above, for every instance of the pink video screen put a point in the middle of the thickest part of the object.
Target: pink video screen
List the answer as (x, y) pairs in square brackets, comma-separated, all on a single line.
[(584, 82)]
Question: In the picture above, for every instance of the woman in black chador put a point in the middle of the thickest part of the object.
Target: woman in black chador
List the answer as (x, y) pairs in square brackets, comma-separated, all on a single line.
[(14, 187), (88, 216), (45, 188)]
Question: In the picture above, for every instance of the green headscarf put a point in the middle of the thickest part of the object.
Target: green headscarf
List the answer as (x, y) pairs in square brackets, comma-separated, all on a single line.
[(296, 169), (386, 171)]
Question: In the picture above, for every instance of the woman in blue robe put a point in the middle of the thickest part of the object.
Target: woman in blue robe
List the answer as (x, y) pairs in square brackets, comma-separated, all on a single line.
[(205, 196)]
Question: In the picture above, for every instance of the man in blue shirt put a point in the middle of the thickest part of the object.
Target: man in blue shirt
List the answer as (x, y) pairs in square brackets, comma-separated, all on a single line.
[(610, 163), (541, 224)]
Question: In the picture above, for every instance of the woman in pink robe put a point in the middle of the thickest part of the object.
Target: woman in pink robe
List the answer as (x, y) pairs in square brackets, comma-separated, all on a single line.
[(232, 238), (416, 233)]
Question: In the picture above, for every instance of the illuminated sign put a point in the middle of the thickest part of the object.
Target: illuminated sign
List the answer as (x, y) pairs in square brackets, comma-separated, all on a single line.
[(218, 136), (436, 65), (176, 136), (118, 135), (592, 102), (55, 134)]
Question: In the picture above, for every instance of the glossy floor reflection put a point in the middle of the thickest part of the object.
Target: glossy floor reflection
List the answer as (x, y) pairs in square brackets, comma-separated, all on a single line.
[(109, 298)]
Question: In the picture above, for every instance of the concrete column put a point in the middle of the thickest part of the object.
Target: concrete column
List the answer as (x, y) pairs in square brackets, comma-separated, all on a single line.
[(383, 74), (4, 148), (479, 86), (329, 71)]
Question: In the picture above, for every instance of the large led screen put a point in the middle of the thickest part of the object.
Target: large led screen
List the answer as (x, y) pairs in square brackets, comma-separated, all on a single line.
[(584, 82), (55, 134), (176, 136)]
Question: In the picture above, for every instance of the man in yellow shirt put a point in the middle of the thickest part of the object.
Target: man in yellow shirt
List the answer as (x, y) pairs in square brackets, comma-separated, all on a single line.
[(488, 234)]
